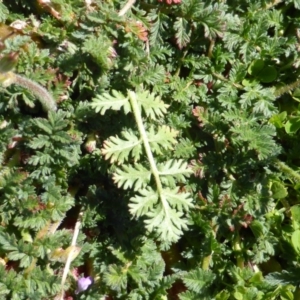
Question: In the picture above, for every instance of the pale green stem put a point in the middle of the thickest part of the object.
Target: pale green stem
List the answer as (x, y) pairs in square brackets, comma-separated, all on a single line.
[(221, 77), (237, 247), (211, 48), (207, 259), (142, 131)]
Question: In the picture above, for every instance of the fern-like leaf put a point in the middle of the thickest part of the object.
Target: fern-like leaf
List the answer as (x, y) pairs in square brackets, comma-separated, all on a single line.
[(182, 37), (135, 177), (166, 222), (115, 102), (116, 278), (164, 217), (180, 201), (198, 279), (151, 75), (173, 171), (118, 150), (43, 124), (152, 106), (141, 204), (163, 138)]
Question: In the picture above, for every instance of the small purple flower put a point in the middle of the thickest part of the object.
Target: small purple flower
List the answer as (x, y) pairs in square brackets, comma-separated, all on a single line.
[(83, 284)]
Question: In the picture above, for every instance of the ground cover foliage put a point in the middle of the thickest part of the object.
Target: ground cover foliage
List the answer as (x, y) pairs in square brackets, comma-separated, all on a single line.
[(149, 149)]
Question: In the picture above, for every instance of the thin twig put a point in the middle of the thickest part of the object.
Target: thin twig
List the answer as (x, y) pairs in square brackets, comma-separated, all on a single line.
[(211, 48), (147, 48), (70, 255), (126, 7)]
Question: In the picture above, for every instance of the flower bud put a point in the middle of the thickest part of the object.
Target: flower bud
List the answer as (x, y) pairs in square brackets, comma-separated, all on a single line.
[(90, 144)]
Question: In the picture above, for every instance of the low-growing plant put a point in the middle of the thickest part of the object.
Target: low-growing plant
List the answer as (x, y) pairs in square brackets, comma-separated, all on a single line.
[(149, 149)]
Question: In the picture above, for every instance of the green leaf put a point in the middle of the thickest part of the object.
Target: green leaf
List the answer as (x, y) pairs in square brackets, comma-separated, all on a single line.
[(185, 148), (257, 138), (296, 240), (173, 171), (292, 125), (164, 217), (151, 75), (257, 278), (141, 204), (198, 279), (136, 177), (3, 12), (286, 277), (297, 4), (39, 142), (279, 191), (256, 66), (287, 295), (167, 223), (40, 158), (105, 101), (239, 294), (278, 119), (181, 27), (162, 138), (257, 229), (15, 255), (267, 74), (8, 243), (153, 106), (118, 150), (188, 295), (116, 278), (176, 199), (43, 124), (295, 212), (27, 100), (223, 295), (296, 94), (99, 48), (159, 22), (57, 120)]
